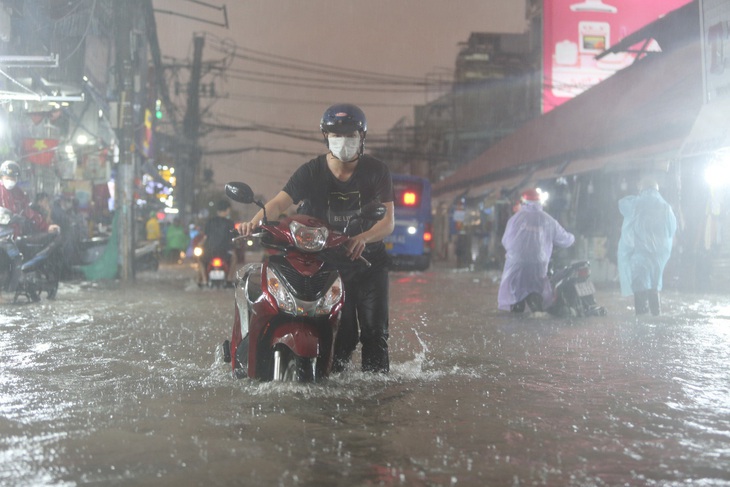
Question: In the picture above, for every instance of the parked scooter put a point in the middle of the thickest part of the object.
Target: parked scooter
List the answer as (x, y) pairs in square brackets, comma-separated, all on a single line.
[(287, 309), (146, 252), (574, 291), (147, 255), (41, 258)]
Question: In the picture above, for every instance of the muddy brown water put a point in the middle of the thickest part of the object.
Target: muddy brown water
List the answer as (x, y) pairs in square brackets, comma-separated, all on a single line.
[(115, 384)]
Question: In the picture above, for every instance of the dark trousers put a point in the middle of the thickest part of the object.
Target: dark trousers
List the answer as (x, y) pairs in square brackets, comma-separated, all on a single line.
[(645, 301), (365, 313), (15, 260)]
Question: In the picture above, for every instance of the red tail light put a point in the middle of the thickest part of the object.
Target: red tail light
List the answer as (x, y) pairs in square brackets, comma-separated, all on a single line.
[(583, 272), (217, 262), (427, 236), (410, 198)]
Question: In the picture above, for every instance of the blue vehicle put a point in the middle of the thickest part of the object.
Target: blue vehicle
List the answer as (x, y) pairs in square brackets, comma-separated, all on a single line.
[(410, 243)]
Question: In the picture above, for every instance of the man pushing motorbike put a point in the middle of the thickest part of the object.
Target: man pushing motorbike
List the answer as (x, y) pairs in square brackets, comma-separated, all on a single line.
[(528, 239), (336, 185), (17, 202)]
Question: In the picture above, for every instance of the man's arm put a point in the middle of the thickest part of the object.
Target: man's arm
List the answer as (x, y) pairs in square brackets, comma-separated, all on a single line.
[(40, 223), (276, 206), (563, 238), (356, 245)]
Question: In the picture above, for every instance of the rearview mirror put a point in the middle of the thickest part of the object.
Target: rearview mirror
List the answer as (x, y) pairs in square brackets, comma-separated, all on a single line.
[(240, 192), (373, 211)]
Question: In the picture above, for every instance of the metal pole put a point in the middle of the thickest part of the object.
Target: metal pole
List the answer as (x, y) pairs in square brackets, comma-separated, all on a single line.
[(124, 183), (191, 127)]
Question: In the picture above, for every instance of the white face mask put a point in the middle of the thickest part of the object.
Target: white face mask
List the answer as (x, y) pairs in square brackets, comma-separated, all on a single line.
[(9, 183), (345, 149)]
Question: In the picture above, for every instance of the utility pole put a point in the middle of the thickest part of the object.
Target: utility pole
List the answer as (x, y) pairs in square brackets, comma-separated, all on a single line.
[(124, 182), (191, 127)]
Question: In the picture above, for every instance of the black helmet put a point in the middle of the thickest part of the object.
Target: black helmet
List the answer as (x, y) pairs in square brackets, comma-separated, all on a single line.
[(10, 169), (343, 119)]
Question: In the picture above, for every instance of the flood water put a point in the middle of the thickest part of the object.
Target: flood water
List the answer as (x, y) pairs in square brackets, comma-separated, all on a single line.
[(116, 384)]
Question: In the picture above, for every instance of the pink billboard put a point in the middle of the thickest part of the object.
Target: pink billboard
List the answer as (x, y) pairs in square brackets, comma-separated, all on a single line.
[(575, 31)]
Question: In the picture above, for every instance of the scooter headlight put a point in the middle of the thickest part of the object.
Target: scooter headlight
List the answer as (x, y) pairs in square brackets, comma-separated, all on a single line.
[(330, 298), (277, 289), (309, 239), (198, 251)]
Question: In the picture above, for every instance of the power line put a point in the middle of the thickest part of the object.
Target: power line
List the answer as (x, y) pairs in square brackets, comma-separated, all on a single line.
[(239, 150), (298, 101), (329, 70), (348, 81), (322, 85), (300, 134)]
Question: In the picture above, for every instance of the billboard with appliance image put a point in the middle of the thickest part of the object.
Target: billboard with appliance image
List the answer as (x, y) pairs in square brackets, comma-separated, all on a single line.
[(575, 31)]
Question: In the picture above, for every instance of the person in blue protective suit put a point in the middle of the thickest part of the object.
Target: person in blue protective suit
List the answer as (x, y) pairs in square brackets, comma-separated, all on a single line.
[(529, 239), (645, 245)]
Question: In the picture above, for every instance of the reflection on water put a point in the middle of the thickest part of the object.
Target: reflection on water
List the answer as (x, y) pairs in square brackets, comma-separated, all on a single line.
[(127, 386)]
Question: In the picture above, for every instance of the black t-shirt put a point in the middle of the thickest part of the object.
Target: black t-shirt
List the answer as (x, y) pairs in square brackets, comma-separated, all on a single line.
[(218, 233), (336, 201)]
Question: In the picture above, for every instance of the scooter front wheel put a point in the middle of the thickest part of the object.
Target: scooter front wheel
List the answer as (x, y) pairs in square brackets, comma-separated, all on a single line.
[(289, 367)]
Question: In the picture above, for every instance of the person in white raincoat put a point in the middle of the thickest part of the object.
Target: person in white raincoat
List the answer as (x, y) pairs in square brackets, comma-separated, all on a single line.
[(528, 240), (645, 245)]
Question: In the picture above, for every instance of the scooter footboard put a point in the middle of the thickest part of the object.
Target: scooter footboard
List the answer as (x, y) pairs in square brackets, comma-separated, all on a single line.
[(303, 339)]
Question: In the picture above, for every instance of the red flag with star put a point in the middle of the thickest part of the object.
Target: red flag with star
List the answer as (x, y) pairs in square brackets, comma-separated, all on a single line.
[(40, 151)]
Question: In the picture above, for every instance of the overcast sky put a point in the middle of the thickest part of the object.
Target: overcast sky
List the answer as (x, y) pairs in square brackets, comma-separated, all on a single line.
[(293, 58)]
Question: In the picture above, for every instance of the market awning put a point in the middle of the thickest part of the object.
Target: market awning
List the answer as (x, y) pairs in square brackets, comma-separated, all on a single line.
[(641, 114), (711, 130)]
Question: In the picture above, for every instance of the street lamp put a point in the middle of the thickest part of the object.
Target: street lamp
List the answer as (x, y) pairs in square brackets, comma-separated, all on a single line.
[(717, 173)]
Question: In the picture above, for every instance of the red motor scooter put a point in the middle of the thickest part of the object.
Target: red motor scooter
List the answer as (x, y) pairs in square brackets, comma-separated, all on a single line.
[(287, 309)]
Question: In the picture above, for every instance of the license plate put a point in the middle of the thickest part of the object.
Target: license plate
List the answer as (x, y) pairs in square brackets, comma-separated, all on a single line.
[(585, 288), (216, 275)]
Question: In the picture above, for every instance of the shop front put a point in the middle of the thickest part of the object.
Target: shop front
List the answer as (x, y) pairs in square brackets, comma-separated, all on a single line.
[(593, 149)]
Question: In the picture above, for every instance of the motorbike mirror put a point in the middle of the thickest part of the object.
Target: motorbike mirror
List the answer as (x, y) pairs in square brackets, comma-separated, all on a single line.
[(373, 211), (240, 192)]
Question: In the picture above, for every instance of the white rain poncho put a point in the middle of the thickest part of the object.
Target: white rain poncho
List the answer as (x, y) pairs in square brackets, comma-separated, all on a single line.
[(646, 241), (529, 239)]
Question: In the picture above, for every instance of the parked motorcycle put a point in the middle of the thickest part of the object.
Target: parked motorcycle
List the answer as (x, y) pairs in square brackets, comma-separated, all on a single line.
[(147, 256), (146, 252), (574, 291), (41, 259), (287, 309)]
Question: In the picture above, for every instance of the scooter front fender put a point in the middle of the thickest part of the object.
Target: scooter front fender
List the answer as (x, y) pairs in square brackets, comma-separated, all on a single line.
[(303, 339)]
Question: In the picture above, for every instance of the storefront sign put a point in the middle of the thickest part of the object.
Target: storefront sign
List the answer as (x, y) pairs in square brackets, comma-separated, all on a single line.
[(575, 31)]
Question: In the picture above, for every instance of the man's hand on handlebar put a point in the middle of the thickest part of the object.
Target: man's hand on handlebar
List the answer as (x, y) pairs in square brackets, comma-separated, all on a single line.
[(355, 247), (246, 229)]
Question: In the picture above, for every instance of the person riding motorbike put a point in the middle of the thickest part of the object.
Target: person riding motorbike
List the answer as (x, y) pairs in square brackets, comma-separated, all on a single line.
[(216, 241), (336, 185), (17, 202), (528, 239)]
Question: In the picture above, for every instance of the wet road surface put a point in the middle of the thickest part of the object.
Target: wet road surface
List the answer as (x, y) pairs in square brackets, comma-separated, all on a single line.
[(115, 384)]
